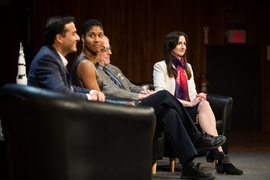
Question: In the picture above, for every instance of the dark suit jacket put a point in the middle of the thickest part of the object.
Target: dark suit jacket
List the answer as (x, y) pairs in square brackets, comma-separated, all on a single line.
[(109, 88), (48, 71)]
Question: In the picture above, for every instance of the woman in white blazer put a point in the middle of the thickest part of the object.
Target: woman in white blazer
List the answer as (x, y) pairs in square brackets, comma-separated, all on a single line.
[(176, 75)]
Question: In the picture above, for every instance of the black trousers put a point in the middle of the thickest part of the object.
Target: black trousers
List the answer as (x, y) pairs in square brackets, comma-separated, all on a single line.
[(173, 119)]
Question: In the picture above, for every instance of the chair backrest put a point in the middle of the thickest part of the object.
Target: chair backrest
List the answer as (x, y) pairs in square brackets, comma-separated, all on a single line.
[(146, 85), (52, 136)]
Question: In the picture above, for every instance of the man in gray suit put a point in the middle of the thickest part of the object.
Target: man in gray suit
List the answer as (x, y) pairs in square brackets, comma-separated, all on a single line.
[(170, 115)]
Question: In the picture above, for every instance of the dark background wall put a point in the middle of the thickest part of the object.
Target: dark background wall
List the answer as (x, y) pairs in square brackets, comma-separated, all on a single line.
[(234, 70), (137, 29)]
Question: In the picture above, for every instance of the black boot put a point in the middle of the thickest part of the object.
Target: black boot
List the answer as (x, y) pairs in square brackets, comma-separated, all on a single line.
[(225, 166), (214, 154)]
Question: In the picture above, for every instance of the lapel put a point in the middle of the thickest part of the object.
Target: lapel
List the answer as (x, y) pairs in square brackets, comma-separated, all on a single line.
[(117, 73), (64, 72)]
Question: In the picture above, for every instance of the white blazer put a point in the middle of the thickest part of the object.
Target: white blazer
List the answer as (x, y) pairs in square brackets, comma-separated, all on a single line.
[(162, 81)]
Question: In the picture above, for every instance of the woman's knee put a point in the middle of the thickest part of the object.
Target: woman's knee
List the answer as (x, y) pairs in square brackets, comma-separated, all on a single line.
[(204, 104)]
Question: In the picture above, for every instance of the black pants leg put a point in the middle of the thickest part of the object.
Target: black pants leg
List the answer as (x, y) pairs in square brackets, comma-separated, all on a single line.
[(163, 99), (168, 121), (173, 119)]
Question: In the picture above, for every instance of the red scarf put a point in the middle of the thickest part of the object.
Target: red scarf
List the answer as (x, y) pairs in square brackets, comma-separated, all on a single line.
[(181, 86)]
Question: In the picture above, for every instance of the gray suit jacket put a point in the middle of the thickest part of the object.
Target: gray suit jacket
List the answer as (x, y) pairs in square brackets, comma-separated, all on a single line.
[(109, 88)]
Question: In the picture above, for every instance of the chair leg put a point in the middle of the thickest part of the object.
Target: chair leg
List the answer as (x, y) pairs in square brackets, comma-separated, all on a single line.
[(154, 167), (172, 164)]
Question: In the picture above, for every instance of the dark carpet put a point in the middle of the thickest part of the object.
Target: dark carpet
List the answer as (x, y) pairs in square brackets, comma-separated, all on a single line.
[(254, 164)]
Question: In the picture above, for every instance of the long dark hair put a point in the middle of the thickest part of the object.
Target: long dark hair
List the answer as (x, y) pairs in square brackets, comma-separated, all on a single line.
[(171, 42)]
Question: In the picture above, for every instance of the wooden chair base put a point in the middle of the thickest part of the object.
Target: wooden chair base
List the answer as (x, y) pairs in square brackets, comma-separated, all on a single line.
[(172, 165), (154, 167)]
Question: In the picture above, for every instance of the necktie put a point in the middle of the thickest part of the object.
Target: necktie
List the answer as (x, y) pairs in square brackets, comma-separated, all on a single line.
[(113, 78)]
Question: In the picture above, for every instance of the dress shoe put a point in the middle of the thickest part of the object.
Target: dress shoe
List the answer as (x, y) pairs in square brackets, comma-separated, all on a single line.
[(214, 154), (196, 172), (208, 142), (225, 166)]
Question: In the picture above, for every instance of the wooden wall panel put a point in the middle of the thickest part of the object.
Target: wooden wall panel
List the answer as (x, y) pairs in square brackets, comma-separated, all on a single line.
[(136, 29)]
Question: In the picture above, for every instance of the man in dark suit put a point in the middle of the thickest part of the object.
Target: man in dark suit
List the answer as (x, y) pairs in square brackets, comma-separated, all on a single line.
[(47, 69), (171, 116)]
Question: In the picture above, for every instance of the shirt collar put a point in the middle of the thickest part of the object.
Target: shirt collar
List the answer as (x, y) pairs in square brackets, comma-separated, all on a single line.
[(64, 60), (100, 67)]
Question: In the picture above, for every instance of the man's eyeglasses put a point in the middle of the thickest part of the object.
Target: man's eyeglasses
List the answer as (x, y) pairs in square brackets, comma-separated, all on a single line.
[(104, 49)]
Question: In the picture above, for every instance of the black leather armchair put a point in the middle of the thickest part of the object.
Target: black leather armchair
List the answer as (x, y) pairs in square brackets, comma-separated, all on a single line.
[(53, 136), (222, 108)]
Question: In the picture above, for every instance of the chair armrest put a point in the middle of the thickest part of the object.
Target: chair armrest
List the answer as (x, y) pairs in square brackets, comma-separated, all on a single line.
[(146, 85), (123, 101), (222, 108), (75, 138)]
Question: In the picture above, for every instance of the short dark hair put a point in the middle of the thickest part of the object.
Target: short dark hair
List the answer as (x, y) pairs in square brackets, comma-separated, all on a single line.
[(54, 26), (89, 25)]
